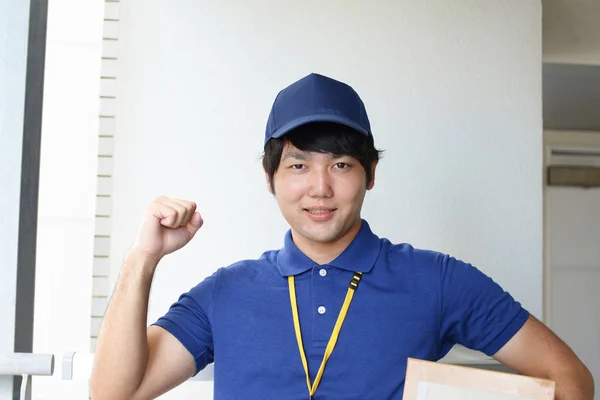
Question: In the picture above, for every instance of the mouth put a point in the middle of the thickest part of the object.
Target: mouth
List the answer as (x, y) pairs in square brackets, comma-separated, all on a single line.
[(319, 213)]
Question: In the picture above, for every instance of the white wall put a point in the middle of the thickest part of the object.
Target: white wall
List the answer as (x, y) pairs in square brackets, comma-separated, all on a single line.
[(453, 90), (574, 269), (67, 189), (571, 31), (572, 226)]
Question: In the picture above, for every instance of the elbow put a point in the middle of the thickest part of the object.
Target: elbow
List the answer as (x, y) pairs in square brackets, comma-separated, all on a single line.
[(105, 389), (585, 382), (589, 384), (575, 384), (107, 395), (98, 391), (96, 388), (99, 387)]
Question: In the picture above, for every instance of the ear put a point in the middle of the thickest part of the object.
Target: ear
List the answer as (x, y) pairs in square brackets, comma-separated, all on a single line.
[(371, 184)]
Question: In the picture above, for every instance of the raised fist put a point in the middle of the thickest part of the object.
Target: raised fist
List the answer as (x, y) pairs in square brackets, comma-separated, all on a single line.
[(167, 226)]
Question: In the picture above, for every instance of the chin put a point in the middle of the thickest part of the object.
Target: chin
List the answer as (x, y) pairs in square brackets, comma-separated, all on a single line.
[(322, 238), (321, 234)]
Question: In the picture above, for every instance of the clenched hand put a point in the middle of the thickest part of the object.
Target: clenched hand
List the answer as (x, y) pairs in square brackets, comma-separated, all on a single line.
[(168, 225)]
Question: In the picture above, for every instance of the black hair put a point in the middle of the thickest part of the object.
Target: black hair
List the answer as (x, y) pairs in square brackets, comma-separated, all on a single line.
[(322, 137)]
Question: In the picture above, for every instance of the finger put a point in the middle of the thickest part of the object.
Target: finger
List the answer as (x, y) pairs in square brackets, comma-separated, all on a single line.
[(190, 208), (184, 211), (179, 210), (166, 214), (195, 223)]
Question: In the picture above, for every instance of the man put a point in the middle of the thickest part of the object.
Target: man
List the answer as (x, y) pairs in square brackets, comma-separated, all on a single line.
[(337, 311)]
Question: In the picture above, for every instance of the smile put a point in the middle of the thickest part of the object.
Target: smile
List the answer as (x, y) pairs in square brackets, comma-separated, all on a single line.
[(320, 214), (319, 211)]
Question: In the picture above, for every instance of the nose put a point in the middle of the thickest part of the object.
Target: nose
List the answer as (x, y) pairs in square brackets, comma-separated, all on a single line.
[(320, 184)]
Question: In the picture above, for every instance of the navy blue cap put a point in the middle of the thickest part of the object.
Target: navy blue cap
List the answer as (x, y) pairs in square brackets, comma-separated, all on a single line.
[(316, 98)]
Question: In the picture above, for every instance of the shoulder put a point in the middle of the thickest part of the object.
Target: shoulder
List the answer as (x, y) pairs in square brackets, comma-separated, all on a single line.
[(425, 265), (234, 277), (408, 256), (248, 270)]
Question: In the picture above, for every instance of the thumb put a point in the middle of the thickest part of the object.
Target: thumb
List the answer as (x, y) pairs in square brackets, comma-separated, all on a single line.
[(194, 224)]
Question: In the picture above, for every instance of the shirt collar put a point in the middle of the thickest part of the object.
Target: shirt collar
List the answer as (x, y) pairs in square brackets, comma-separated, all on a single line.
[(359, 256)]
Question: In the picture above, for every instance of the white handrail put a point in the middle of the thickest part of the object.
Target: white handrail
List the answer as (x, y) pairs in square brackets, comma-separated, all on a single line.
[(26, 365)]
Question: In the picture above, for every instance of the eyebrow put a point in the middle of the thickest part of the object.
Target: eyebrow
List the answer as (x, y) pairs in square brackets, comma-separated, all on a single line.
[(305, 156), (297, 155)]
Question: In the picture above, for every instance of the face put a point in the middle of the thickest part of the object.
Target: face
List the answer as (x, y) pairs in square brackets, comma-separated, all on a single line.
[(320, 195)]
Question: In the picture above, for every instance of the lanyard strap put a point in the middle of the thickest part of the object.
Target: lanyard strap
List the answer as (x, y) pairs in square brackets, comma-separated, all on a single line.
[(334, 335)]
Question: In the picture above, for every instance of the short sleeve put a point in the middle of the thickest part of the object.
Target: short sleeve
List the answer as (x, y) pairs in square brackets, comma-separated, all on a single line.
[(189, 321), (476, 312)]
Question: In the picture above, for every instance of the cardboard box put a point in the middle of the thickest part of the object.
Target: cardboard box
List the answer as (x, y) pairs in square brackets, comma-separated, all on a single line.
[(426, 380)]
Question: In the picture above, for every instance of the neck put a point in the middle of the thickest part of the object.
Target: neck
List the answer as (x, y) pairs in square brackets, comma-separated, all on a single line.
[(325, 252)]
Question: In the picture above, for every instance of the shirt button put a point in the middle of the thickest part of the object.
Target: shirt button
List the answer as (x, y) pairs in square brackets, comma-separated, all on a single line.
[(321, 310), (323, 272)]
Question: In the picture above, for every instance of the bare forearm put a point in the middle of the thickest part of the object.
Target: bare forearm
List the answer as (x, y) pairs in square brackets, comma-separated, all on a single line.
[(122, 348)]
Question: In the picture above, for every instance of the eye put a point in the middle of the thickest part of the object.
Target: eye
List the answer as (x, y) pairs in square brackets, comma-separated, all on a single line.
[(342, 165), (297, 166)]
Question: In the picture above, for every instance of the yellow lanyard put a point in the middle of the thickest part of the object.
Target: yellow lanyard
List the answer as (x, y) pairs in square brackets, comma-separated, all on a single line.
[(334, 335)]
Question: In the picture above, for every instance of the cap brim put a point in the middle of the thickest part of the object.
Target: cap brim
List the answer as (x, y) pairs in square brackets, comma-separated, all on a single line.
[(318, 118)]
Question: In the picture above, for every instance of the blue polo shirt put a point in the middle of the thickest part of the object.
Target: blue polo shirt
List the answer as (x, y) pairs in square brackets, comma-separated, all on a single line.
[(410, 303)]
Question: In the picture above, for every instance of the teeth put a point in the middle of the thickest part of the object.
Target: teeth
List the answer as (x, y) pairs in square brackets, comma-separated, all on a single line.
[(319, 211)]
